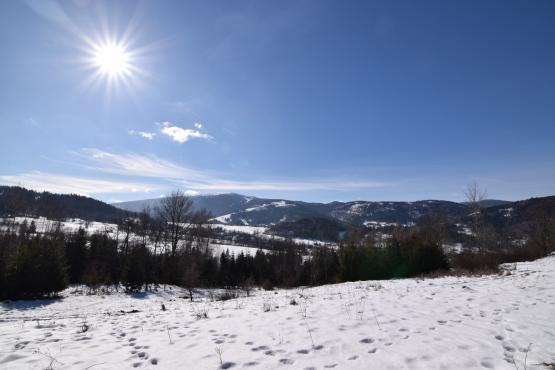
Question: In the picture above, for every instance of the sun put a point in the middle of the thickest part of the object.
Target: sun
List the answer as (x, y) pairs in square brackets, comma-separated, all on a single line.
[(112, 59), (112, 62)]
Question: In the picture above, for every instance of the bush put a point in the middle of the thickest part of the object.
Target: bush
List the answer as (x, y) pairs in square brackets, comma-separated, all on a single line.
[(267, 285), (135, 275), (227, 295), (403, 256), (36, 270)]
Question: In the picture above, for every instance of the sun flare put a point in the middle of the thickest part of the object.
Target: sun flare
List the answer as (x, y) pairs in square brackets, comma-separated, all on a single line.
[(112, 59)]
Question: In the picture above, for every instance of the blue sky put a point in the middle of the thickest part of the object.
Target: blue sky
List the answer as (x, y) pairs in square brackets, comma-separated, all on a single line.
[(311, 100)]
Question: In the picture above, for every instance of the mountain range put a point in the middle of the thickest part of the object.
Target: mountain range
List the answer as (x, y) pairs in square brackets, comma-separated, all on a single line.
[(285, 217), (237, 209)]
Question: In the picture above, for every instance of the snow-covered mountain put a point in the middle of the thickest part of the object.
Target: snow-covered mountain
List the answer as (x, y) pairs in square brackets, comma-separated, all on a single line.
[(236, 209)]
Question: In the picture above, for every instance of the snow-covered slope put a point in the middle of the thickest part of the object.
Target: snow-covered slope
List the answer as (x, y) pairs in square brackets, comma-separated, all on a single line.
[(236, 209), (490, 322)]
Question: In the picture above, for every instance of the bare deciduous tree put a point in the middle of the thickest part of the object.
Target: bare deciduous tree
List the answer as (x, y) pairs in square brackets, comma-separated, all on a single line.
[(474, 197), (176, 211)]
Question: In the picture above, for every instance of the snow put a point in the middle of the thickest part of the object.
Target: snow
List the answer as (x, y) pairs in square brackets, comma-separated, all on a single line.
[(282, 203), (453, 248), (507, 212), (378, 224), (357, 208), (463, 229), (252, 230), (448, 323), (71, 225), (224, 218), (217, 249), (256, 208)]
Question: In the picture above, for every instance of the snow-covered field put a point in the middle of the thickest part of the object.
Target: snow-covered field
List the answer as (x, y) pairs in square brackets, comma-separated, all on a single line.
[(489, 322), (69, 225), (218, 249), (43, 224), (260, 231)]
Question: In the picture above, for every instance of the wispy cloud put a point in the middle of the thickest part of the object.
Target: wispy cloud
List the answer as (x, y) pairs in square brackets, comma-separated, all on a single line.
[(143, 134), (43, 181), (131, 170), (133, 164), (182, 135), (280, 185)]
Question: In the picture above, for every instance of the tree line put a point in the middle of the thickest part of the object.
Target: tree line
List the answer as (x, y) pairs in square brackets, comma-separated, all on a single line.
[(171, 245)]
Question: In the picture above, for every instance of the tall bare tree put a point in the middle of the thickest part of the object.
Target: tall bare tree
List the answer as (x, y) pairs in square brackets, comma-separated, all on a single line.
[(176, 211), (474, 197)]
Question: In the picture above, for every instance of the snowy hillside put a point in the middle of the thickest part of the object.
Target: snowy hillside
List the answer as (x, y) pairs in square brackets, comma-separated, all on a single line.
[(490, 322), (237, 209)]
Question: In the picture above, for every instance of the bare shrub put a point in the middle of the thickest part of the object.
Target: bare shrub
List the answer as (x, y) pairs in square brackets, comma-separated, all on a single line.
[(266, 306), (227, 294), (200, 311)]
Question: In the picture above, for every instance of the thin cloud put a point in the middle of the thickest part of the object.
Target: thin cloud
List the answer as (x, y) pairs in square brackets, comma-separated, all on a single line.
[(43, 181), (143, 134), (138, 165), (223, 185), (182, 135), (133, 164)]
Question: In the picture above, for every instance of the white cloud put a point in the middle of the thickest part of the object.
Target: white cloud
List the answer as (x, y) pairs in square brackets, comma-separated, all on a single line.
[(132, 164), (42, 181), (146, 135), (182, 135), (166, 175), (198, 125), (279, 185), (191, 192)]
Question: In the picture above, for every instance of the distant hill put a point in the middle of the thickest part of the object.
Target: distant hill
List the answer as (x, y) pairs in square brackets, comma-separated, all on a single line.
[(317, 228), (322, 221), (518, 214), (237, 209), (486, 203), (18, 201)]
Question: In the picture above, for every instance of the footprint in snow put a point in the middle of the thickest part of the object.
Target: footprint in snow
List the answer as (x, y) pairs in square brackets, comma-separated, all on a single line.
[(487, 363), (286, 361)]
